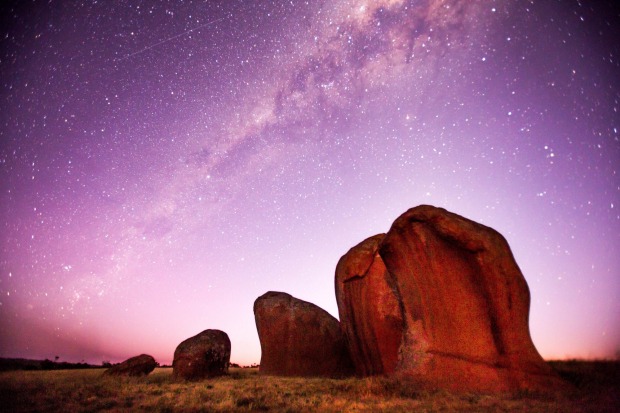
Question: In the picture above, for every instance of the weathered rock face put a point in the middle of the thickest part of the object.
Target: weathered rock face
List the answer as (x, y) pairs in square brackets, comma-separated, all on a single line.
[(368, 305), (205, 355), (140, 365), (298, 338), (440, 298)]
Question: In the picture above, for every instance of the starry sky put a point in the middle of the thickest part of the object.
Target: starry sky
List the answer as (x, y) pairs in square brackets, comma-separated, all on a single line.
[(162, 164)]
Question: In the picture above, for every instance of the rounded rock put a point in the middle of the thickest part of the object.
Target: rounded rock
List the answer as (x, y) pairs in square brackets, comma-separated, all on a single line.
[(207, 354), (298, 338), (140, 365)]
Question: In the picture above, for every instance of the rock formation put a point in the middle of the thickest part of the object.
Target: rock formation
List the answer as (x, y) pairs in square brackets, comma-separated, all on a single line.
[(440, 299), (140, 365), (369, 309), (205, 355), (298, 338)]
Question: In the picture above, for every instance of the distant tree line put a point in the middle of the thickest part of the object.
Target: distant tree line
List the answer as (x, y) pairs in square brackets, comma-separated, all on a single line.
[(7, 364)]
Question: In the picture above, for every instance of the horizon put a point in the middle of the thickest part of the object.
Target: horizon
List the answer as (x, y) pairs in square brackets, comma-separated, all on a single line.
[(162, 166)]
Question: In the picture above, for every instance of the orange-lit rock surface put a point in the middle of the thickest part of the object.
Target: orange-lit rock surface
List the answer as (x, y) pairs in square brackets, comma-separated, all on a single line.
[(370, 309), (449, 291), (298, 338)]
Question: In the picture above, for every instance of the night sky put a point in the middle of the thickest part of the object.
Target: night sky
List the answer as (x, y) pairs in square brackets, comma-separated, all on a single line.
[(162, 164)]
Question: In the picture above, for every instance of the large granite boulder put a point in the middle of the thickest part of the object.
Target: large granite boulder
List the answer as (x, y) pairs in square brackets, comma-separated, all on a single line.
[(298, 338), (440, 299), (205, 355), (140, 365)]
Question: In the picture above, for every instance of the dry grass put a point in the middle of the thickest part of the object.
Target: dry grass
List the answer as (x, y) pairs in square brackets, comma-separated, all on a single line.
[(244, 390)]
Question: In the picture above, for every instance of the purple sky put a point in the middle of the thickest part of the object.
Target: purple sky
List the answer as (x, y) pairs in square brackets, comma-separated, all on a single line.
[(162, 164)]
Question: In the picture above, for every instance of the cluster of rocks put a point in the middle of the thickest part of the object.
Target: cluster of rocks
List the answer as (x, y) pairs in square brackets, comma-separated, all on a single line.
[(439, 299), (207, 354)]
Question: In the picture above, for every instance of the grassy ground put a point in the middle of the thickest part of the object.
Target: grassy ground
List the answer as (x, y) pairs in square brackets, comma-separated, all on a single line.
[(597, 390)]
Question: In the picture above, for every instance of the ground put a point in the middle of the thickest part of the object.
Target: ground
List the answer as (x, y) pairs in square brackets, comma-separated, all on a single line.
[(596, 389)]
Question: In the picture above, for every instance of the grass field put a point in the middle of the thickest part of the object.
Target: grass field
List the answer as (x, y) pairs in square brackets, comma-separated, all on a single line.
[(597, 389)]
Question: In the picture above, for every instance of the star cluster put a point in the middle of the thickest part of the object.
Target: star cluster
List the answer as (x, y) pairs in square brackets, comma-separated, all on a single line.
[(162, 164)]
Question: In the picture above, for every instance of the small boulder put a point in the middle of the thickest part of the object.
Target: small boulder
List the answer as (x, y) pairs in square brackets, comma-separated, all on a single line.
[(298, 338), (140, 365), (205, 355)]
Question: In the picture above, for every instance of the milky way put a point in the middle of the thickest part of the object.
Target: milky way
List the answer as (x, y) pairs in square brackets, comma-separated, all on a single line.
[(165, 163)]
